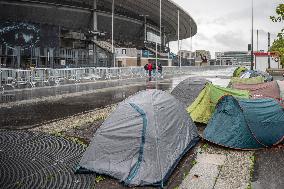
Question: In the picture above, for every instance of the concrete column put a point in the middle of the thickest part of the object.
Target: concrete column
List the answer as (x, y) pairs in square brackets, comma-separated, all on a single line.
[(18, 50), (95, 28)]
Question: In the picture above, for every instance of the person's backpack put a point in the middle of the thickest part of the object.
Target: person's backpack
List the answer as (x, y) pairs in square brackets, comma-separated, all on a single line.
[(146, 67)]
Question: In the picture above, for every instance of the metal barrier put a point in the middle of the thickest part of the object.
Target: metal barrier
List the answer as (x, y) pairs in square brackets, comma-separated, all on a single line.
[(41, 77)]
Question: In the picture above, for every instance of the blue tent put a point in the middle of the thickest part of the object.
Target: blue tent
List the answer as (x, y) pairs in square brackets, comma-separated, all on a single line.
[(256, 73), (246, 123)]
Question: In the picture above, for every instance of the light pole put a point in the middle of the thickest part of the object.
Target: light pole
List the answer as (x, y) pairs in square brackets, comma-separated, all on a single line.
[(252, 57), (178, 42), (160, 36), (112, 30)]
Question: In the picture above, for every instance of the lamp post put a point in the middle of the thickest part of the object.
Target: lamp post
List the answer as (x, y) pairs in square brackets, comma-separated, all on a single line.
[(252, 57), (112, 34), (179, 61), (160, 37)]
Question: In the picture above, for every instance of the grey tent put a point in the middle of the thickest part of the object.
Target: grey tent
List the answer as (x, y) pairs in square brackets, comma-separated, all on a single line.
[(188, 90), (142, 141)]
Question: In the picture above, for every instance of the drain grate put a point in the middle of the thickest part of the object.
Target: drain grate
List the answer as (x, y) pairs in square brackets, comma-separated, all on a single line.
[(37, 160)]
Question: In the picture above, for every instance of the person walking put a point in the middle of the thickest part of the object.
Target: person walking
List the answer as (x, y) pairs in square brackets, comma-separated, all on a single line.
[(150, 68)]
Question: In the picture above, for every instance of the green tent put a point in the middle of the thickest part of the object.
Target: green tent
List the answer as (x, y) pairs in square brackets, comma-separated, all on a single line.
[(246, 123), (238, 72), (203, 107), (254, 80)]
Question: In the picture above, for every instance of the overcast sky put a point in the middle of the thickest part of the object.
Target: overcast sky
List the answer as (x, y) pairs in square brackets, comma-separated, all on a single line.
[(225, 25)]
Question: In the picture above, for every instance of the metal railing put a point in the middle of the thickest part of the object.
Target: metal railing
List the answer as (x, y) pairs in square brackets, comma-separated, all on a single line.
[(41, 77)]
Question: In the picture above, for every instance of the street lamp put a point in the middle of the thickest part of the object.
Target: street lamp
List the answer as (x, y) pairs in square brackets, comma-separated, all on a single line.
[(160, 36), (112, 30), (252, 57)]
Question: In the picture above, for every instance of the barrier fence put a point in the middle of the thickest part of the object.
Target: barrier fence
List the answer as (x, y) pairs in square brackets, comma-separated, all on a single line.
[(17, 79)]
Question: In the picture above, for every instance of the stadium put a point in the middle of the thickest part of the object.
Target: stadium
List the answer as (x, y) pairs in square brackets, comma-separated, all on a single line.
[(82, 33)]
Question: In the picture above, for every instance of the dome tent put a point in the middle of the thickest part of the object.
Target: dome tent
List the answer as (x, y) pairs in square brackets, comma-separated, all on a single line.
[(203, 107), (246, 123), (253, 80), (142, 141), (239, 71), (188, 90), (256, 73), (262, 90)]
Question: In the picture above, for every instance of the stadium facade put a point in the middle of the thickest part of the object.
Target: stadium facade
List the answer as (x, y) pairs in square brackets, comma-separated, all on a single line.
[(78, 33)]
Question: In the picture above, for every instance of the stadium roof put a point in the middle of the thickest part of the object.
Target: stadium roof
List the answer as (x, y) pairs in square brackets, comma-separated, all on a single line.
[(81, 18), (188, 26)]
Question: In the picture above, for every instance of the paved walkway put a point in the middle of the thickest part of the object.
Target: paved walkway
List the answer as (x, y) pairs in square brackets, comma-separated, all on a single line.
[(219, 168), (269, 169)]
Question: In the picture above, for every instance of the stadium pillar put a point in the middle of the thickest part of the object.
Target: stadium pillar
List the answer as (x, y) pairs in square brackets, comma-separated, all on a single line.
[(145, 26), (95, 28)]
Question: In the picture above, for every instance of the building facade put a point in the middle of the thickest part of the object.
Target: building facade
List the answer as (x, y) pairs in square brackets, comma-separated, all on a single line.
[(79, 33), (233, 58)]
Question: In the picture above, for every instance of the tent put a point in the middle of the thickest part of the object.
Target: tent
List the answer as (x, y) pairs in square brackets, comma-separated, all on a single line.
[(142, 141), (246, 123), (239, 71), (281, 88), (262, 90), (187, 90), (254, 80), (256, 73), (203, 107)]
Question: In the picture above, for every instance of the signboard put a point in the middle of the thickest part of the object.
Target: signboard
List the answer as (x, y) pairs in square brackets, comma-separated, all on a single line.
[(264, 54), (153, 37)]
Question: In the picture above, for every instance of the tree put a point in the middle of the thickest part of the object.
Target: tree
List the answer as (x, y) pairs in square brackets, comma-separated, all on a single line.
[(280, 14), (278, 44)]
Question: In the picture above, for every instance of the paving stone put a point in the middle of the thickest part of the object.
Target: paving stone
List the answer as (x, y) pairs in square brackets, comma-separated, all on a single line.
[(205, 172)]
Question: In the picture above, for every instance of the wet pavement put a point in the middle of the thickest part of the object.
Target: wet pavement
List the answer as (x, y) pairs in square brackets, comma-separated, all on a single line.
[(41, 92), (29, 115), (269, 169)]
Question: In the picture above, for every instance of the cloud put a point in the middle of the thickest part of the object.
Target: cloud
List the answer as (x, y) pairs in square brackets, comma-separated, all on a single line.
[(231, 40), (226, 25)]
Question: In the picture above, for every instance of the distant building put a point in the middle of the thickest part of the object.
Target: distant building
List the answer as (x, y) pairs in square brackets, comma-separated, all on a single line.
[(233, 58), (187, 58), (200, 56), (197, 58), (261, 61)]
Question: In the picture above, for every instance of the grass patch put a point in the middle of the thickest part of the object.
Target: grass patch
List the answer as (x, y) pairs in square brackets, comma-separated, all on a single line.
[(204, 147), (99, 178), (76, 140), (185, 174), (193, 162), (252, 164)]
